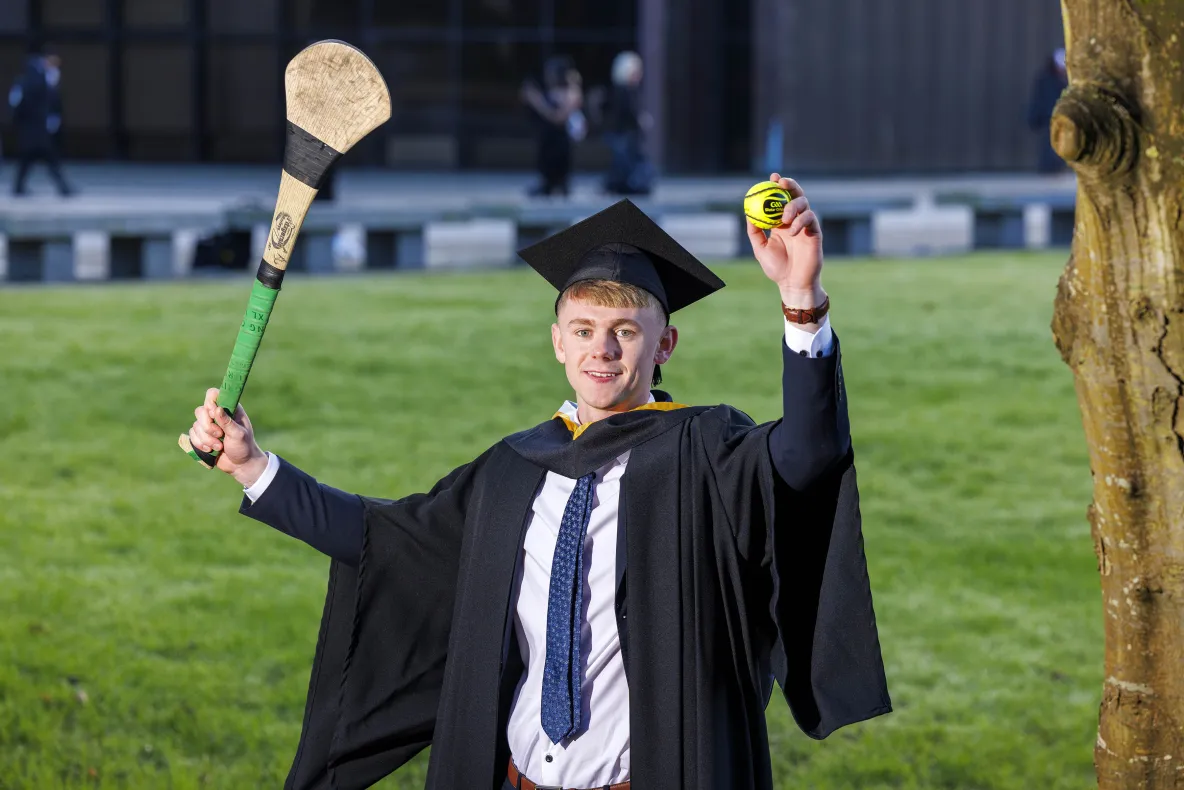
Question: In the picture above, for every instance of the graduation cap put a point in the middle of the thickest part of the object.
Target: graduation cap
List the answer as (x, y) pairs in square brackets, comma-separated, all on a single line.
[(622, 244)]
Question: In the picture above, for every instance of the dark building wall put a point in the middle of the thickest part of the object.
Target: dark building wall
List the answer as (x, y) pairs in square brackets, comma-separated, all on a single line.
[(921, 86), (202, 79), (863, 86), (705, 93)]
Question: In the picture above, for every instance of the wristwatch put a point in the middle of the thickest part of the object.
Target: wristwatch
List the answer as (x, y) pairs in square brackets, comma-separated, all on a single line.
[(806, 315)]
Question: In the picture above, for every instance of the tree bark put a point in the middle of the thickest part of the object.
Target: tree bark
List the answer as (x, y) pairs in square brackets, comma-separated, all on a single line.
[(1119, 325)]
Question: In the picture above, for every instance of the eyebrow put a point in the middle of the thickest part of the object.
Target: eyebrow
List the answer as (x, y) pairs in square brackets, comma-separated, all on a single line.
[(590, 322)]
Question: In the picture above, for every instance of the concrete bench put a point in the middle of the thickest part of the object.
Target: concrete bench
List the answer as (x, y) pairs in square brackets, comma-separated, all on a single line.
[(41, 245), (1004, 221), (394, 236), (847, 225), (535, 221)]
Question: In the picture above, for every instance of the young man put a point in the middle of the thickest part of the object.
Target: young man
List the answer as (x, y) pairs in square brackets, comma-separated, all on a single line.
[(606, 597)]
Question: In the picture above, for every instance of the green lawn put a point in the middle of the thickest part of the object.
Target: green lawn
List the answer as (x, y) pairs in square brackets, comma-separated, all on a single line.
[(150, 637)]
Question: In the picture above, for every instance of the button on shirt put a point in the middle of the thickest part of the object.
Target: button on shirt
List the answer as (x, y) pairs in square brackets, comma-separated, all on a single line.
[(599, 752)]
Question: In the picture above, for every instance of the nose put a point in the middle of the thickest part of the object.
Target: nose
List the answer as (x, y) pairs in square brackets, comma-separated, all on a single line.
[(607, 347)]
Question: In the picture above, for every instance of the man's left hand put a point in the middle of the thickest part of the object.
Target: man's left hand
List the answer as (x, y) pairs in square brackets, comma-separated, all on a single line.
[(791, 255)]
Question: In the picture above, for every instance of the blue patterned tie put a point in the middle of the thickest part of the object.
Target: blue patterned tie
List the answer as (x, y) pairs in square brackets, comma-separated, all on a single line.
[(561, 672)]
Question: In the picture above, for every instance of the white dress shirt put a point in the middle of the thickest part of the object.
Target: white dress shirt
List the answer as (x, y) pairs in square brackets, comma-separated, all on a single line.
[(599, 752)]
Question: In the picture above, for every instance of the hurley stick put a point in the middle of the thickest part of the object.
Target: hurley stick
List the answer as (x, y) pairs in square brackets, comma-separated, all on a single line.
[(335, 97)]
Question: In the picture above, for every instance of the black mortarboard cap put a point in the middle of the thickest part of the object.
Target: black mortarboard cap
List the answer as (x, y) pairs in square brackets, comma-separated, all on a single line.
[(624, 245)]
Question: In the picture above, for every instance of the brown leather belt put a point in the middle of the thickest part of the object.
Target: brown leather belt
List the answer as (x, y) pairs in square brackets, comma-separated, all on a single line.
[(520, 782)]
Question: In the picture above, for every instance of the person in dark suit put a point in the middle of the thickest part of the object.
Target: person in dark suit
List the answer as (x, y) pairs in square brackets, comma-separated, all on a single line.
[(606, 597), (36, 103), (556, 108), (1047, 88), (624, 130)]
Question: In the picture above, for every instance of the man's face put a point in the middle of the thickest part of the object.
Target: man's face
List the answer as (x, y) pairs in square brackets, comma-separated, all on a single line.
[(609, 353)]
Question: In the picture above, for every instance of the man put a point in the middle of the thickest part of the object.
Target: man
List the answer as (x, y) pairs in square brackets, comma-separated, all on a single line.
[(607, 597), (625, 124), (36, 105)]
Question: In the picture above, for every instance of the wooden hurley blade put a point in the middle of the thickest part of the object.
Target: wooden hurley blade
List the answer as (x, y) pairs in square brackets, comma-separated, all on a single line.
[(336, 94), (335, 97)]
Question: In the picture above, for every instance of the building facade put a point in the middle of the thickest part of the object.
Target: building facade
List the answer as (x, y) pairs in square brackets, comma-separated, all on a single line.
[(855, 86)]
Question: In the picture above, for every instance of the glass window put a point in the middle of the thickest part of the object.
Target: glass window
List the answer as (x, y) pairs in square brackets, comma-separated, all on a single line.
[(14, 15), (302, 13), (158, 106), (589, 16), (72, 13), (497, 129), (156, 13), (244, 103), (156, 92), (412, 13), (491, 78), (244, 88), (86, 94), (242, 16), (421, 82), (502, 13)]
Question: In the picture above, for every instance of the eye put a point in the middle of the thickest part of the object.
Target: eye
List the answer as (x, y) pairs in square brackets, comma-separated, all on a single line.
[(625, 333), (583, 333)]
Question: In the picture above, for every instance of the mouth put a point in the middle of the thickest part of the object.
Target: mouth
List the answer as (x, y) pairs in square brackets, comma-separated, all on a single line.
[(601, 376)]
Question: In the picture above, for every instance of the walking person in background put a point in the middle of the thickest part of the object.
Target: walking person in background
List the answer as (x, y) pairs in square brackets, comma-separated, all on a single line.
[(1046, 91), (36, 103), (557, 108), (625, 124)]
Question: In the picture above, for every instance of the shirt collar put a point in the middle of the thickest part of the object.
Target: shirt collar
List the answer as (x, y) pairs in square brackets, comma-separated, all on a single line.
[(571, 410)]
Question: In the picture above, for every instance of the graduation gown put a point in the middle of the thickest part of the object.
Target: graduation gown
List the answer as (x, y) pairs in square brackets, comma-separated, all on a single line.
[(733, 575)]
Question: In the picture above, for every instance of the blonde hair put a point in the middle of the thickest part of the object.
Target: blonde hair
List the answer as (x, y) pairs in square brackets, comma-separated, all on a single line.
[(609, 293)]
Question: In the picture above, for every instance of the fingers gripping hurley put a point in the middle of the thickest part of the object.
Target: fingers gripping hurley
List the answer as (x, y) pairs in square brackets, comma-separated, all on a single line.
[(335, 97)]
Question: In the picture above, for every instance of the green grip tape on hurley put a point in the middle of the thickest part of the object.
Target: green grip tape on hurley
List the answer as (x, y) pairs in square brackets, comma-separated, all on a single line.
[(246, 345)]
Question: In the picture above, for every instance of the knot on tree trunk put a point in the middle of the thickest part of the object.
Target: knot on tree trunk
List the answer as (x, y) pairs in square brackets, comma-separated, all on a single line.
[(1094, 130)]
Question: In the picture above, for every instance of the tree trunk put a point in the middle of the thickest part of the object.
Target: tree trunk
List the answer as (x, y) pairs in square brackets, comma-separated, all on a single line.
[(1119, 324)]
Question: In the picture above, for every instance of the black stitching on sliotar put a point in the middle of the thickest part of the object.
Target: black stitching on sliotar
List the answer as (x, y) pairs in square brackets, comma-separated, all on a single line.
[(269, 276), (306, 158)]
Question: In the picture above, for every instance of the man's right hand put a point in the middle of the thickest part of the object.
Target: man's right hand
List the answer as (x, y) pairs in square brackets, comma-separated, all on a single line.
[(213, 431)]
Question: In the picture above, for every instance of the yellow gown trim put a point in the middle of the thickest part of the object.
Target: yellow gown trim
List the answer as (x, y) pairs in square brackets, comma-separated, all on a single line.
[(576, 429)]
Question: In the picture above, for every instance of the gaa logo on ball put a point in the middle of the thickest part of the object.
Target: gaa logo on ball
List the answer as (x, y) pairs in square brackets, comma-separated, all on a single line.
[(765, 204)]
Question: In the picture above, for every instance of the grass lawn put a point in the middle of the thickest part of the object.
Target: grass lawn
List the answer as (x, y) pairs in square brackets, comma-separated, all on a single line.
[(150, 637)]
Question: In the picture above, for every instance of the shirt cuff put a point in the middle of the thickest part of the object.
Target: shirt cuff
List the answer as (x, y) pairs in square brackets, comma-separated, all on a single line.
[(814, 344), (254, 492)]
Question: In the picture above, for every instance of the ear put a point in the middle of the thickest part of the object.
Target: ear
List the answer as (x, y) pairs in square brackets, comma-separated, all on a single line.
[(557, 343), (666, 345)]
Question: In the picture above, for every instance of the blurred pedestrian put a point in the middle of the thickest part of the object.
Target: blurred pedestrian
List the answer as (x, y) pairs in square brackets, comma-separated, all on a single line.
[(36, 103), (625, 123), (557, 108), (1046, 91)]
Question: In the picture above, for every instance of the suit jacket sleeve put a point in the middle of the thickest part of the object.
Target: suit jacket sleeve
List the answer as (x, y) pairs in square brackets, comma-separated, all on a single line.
[(792, 508), (814, 433), (329, 520), (380, 656)]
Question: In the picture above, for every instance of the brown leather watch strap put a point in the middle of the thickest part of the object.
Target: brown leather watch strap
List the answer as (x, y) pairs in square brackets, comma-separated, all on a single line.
[(806, 315)]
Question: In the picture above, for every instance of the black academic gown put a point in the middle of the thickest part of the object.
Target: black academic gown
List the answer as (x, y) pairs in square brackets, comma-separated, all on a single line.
[(736, 571)]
